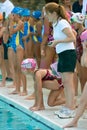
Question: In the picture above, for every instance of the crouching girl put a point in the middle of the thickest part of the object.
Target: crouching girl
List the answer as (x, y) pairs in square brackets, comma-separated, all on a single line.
[(45, 78)]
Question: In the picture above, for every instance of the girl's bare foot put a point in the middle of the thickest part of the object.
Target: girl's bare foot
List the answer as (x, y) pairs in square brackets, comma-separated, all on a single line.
[(71, 124), (32, 106), (31, 97), (23, 93), (36, 108), (15, 92)]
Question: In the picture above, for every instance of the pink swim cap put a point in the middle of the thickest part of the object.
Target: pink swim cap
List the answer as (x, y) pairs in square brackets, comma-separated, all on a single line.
[(83, 36), (28, 63)]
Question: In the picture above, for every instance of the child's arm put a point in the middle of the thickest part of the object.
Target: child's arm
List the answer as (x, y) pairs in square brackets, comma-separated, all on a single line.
[(5, 35), (19, 25)]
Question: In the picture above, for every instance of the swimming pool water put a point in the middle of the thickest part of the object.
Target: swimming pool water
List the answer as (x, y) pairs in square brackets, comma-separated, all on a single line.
[(13, 119)]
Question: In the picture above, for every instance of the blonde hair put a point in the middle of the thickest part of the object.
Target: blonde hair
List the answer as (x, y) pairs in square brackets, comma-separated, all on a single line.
[(59, 9)]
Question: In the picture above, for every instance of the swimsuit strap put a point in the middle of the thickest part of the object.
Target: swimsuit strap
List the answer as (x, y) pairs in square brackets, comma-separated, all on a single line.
[(1, 40)]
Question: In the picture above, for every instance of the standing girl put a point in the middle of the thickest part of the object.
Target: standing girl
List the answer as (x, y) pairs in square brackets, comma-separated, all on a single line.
[(64, 44), (17, 49)]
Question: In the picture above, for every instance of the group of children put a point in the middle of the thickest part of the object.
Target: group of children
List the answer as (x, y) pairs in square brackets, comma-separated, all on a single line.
[(27, 36), (22, 35), (22, 40)]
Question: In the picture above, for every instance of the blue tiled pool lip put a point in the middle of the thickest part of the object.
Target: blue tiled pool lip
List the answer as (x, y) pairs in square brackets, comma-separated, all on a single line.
[(35, 115)]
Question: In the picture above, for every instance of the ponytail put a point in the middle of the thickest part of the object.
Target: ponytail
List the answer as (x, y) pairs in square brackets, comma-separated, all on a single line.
[(62, 12), (59, 9)]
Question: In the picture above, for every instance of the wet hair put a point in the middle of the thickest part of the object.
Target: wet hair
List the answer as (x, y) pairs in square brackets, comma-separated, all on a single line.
[(59, 9)]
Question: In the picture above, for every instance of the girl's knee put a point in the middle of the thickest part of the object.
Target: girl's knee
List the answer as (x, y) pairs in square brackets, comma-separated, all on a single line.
[(50, 103)]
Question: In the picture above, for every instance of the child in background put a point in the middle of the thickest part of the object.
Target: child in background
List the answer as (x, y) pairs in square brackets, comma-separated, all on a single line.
[(37, 35), (44, 78), (77, 21), (48, 54), (2, 62), (84, 44), (68, 7), (34, 36), (27, 29), (16, 48), (83, 101)]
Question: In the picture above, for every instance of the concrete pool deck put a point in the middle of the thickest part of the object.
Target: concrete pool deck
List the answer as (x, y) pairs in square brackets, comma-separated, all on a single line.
[(46, 115)]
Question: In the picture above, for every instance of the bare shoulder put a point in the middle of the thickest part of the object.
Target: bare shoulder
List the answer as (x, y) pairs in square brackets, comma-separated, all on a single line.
[(41, 72)]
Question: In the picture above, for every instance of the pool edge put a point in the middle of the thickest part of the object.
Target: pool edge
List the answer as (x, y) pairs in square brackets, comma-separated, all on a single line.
[(34, 115)]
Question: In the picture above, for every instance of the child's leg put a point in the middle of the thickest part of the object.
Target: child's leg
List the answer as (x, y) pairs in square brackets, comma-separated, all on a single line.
[(56, 96), (19, 75), (23, 78), (38, 105), (25, 50), (76, 83), (37, 53), (2, 64), (30, 49), (54, 99), (11, 62), (83, 77)]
